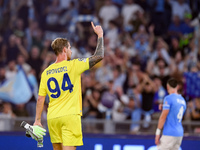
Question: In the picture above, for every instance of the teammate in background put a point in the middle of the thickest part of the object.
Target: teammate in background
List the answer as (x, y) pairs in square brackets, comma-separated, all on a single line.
[(174, 107), (62, 82)]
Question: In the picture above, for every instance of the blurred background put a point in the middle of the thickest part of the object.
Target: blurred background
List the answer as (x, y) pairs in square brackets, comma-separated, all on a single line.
[(146, 43)]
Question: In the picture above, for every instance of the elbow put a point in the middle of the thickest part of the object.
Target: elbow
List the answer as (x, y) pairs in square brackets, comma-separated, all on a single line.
[(101, 57), (40, 99)]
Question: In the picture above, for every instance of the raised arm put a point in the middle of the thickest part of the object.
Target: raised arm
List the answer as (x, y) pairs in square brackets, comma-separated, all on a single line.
[(99, 53)]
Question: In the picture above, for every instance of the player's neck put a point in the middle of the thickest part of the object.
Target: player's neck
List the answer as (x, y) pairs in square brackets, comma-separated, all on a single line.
[(60, 58), (173, 91)]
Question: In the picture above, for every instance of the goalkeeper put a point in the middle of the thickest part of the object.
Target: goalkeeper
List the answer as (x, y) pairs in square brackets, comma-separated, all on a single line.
[(62, 82)]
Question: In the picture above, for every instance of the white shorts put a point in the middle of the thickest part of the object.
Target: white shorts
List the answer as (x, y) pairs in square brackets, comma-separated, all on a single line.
[(170, 143)]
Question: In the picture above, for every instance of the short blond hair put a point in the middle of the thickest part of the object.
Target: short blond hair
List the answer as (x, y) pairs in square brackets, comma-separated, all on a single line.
[(58, 44)]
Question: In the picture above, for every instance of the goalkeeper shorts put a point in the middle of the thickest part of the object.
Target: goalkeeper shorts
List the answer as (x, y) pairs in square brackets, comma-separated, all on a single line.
[(66, 130)]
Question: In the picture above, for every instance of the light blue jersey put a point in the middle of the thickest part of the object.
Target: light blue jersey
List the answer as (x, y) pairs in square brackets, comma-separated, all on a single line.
[(177, 106)]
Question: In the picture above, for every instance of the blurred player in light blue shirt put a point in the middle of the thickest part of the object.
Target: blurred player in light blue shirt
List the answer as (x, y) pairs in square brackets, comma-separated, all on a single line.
[(174, 107)]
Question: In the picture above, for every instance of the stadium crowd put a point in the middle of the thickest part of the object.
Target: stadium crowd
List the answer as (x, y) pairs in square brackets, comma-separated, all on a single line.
[(146, 43)]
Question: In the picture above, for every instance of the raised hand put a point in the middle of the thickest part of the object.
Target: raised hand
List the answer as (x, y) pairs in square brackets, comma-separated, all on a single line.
[(97, 29)]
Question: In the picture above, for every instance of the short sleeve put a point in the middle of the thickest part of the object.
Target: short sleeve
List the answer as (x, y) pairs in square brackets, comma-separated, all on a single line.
[(42, 88), (166, 103), (81, 64)]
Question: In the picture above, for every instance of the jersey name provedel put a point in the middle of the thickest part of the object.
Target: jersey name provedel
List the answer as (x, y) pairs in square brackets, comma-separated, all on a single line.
[(57, 70)]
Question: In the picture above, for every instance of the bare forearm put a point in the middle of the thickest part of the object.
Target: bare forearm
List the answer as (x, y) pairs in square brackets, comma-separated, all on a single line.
[(39, 109), (161, 122), (99, 53)]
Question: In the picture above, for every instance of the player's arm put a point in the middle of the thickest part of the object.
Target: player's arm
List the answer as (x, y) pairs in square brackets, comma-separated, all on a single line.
[(39, 109), (99, 53), (161, 123), (162, 118)]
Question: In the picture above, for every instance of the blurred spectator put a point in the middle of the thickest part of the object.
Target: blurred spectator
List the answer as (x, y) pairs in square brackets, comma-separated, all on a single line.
[(75, 51), (160, 16), (187, 31), (85, 7), (23, 12), (191, 82), (2, 75), (52, 15), (87, 83), (22, 63), (144, 4), (133, 108), (194, 109), (68, 15), (49, 59), (107, 13), (143, 49), (128, 13), (127, 46), (180, 63), (174, 29), (2, 51), (30, 107), (35, 61), (143, 44), (180, 7), (193, 112), (30, 33), (15, 47), (91, 102), (198, 56), (135, 75), (186, 27), (159, 95), (118, 80), (118, 3), (91, 45), (4, 14), (119, 59), (161, 51), (104, 73), (19, 29), (112, 35), (6, 115), (147, 89), (37, 38), (20, 110), (46, 49), (160, 68), (39, 12), (174, 47), (65, 5), (191, 57), (160, 63), (107, 100), (11, 70), (137, 22)]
